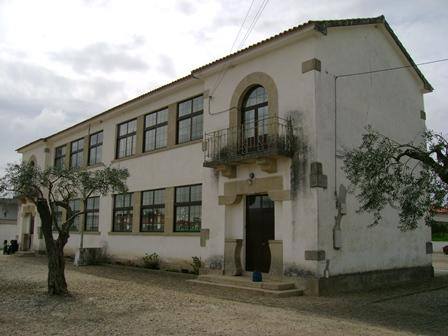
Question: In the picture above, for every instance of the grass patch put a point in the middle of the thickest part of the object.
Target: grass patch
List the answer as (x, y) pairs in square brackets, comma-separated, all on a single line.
[(440, 236)]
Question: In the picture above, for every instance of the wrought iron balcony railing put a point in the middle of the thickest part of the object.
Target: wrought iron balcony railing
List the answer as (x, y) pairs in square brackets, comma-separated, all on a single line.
[(268, 137)]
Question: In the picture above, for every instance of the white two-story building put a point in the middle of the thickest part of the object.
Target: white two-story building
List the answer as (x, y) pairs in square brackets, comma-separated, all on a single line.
[(239, 163)]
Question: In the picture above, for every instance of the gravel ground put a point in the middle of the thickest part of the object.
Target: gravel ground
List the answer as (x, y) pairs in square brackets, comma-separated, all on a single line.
[(111, 300)]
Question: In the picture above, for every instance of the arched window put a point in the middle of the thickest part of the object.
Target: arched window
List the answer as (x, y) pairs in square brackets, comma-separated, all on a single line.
[(254, 117)]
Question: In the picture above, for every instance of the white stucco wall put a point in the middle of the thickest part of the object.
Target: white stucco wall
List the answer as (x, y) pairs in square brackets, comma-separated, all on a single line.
[(391, 102)]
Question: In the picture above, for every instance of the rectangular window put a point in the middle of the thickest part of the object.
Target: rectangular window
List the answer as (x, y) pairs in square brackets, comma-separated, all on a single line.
[(123, 213), (156, 130), (92, 214), (75, 206), (126, 138), (187, 208), (189, 119), (59, 156), (95, 148), (153, 211), (76, 153)]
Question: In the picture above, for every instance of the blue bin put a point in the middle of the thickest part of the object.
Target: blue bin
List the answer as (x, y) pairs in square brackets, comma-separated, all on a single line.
[(257, 277)]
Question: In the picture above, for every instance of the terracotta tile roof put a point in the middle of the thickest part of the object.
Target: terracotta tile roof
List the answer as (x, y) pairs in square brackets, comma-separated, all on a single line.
[(319, 25)]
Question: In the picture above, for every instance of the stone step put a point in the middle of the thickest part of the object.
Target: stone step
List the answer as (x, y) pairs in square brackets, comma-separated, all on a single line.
[(246, 281), (254, 290)]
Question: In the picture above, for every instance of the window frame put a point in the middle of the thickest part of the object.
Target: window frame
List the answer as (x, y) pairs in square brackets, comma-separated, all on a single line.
[(76, 153), (185, 204), (152, 206), (119, 137), (95, 146), (155, 127), (191, 115), (63, 156), (130, 210), (93, 211)]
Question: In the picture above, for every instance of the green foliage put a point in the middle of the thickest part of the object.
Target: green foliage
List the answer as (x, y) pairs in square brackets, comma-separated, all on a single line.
[(151, 261), (410, 177), (57, 186), (196, 264)]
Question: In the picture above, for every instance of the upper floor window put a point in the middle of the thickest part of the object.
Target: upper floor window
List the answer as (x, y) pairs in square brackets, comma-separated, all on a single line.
[(189, 119), (123, 211), (156, 130), (95, 148), (127, 139), (153, 211), (59, 156), (92, 214), (254, 117), (188, 204), (75, 206), (76, 153)]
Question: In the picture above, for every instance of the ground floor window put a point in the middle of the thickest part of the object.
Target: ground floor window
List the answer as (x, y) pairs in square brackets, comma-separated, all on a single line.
[(188, 204), (152, 217), (75, 206), (123, 211), (92, 214), (439, 231), (58, 218)]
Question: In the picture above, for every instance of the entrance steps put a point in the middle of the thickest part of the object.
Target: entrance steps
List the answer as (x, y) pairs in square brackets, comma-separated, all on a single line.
[(245, 283)]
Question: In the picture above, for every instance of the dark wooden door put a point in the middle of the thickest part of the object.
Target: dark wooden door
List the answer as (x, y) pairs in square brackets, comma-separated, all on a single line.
[(260, 228)]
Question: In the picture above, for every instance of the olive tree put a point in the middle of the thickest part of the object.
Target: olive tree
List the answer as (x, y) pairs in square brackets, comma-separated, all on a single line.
[(411, 177), (52, 188)]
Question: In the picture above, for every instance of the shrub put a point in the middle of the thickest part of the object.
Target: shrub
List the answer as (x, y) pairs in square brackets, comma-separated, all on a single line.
[(196, 264), (151, 261)]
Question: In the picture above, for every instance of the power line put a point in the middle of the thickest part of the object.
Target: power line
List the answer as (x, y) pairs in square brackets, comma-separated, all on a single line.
[(251, 27), (242, 25), (254, 22), (391, 69)]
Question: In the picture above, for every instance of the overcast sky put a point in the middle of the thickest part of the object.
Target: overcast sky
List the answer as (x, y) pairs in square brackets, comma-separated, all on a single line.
[(63, 61)]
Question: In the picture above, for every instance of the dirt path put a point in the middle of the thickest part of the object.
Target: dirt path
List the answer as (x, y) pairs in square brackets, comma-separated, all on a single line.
[(117, 301)]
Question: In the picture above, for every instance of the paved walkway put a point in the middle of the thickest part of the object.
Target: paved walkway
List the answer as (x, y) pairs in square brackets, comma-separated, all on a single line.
[(121, 301)]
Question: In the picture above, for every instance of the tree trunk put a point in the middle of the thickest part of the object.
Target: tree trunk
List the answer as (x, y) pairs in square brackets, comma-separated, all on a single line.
[(55, 251), (56, 268)]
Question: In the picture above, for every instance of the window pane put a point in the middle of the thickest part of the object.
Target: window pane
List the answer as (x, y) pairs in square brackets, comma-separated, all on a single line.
[(123, 221), (128, 200), (150, 140), (159, 197), (196, 193), (122, 148), (93, 139), (100, 137), (182, 222), (196, 130), (147, 198), (119, 201), (198, 104), (153, 220), (123, 129), (74, 146), (182, 194), (99, 154), (195, 218), (184, 130), (151, 120), (185, 108), (132, 126), (161, 137), (162, 116)]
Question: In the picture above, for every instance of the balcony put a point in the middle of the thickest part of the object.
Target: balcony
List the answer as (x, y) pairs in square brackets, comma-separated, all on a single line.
[(255, 141)]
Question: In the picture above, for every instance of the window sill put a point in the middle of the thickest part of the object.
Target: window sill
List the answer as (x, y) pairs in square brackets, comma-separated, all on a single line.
[(86, 232), (96, 165), (162, 234), (159, 150)]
